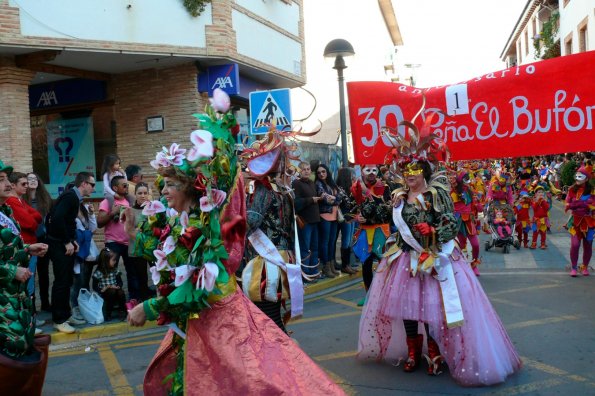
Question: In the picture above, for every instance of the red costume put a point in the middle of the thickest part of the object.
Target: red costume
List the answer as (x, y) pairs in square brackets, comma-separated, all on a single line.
[(523, 224), (540, 221)]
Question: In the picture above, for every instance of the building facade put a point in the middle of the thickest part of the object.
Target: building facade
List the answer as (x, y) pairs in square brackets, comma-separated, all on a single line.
[(79, 80), (549, 28)]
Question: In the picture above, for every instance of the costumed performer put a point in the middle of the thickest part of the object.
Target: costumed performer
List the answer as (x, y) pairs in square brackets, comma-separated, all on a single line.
[(580, 201), (23, 356), (540, 220), (271, 276), (523, 217), (219, 342), (372, 198), (425, 279), (466, 208)]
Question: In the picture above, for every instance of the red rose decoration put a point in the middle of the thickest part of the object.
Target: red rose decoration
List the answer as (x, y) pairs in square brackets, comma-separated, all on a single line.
[(157, 232), (164, 233), (163, 319), (189, 237), (200, 183), (165, 290), (235, 130)]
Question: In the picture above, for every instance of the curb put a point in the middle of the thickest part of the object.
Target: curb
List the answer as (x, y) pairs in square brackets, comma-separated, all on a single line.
[(114, 329)]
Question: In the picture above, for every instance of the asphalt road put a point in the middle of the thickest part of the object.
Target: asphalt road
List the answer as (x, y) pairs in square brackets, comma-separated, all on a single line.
[(549, 316)]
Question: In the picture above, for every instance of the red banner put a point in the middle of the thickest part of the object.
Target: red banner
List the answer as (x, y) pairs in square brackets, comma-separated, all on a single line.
[(547, 107)]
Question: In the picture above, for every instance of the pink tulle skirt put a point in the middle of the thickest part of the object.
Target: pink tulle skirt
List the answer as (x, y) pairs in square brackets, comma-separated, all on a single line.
[(235, 349), (477, 353)]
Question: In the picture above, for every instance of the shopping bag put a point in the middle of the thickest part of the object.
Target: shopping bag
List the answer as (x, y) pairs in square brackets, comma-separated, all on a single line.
[(91, 306)]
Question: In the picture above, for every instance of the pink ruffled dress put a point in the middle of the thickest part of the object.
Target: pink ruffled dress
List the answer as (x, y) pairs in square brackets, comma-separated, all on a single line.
[(478, 352)]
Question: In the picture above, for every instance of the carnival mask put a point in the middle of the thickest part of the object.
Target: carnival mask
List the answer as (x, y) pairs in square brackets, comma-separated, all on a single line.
[(413, 169), (580, 177), (370, 172)]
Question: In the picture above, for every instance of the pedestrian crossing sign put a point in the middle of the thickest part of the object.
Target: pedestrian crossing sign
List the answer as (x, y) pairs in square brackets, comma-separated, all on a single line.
[(270, 107)]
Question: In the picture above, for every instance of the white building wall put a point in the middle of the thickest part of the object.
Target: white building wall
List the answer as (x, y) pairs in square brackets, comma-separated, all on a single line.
[(286, 16), (258, 41), (571, 16), (144, 22)]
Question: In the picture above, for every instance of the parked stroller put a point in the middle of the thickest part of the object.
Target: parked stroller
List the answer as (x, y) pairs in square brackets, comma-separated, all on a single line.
[(500, 220)]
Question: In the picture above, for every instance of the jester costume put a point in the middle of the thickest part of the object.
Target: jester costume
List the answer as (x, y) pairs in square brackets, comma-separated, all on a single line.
[(372, 197), (23, 357), (424, 284), (580, 202), (523, 217), (541, 208), (219, 342), (466, 209)]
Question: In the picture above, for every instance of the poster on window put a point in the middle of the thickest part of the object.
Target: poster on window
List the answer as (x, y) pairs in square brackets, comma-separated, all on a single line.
[(70, 149), (547, 107)]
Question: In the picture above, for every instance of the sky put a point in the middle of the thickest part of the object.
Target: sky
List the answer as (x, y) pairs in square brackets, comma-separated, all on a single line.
[(454, 40)]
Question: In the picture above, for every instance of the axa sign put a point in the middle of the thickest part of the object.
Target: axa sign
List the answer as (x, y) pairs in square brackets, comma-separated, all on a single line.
[(225, 77), (47, 98), (64, 93)]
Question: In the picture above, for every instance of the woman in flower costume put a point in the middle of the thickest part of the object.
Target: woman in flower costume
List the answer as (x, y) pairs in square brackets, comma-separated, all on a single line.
[(580, 202), (219, 342), (425, 284), (23, 357)]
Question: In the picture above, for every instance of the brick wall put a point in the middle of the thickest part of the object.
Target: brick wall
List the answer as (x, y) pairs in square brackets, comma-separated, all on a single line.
[(171, 93), (15, 126)]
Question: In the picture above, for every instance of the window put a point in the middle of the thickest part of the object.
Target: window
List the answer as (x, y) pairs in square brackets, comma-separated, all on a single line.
[(526, 41), (534, 26), (518, 51), (582, 35), (568, 44)]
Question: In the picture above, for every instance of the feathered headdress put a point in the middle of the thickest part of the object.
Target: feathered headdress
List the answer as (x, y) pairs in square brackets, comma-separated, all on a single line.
[(413, 146)]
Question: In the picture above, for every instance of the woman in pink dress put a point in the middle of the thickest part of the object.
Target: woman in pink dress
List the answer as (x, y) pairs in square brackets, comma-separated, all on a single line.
[(220, 343), (425, 288)]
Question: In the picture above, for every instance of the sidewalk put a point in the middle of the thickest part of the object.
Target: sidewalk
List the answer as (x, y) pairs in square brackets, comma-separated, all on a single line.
[(120, 327)]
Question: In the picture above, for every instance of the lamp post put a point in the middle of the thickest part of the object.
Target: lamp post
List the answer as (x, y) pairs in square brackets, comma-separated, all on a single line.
[(339, 49)]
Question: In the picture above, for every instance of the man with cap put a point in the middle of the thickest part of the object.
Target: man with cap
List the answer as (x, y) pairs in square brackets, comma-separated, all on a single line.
[(580, 201)]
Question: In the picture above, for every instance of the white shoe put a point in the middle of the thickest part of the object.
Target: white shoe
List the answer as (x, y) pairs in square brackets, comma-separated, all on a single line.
[(38, 331), (74, 321), (76, 313), (64, 328), (39, 322)]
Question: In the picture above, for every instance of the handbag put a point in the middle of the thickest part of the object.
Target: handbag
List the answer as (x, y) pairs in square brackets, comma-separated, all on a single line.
[(300, 222), (91, 306), (340, 217)]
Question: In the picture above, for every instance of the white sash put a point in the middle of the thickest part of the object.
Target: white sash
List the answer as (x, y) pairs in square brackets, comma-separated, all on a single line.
[(265, 248), (6, 222), (448, 286)]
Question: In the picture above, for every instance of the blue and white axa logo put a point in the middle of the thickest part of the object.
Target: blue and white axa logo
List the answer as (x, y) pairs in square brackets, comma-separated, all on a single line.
[(223, 82), (47, 98)]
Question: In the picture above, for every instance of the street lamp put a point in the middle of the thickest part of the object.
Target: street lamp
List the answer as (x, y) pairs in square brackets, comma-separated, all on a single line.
[(339, 49)]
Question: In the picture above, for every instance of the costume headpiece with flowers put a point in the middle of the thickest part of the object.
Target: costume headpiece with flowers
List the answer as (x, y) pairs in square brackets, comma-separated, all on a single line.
[(191, 249)]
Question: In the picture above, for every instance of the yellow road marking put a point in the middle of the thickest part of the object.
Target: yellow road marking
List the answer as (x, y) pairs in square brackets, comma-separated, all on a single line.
[(333, 356), (347, 388), (325, 317), (529, 388), (540, 322), (137, 344), (114, 372), (80, 350), (353, 287), (525, 289), (343, 302)]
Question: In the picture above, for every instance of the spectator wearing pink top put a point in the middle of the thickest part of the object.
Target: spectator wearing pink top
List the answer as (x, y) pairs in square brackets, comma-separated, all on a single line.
[(116, 238)]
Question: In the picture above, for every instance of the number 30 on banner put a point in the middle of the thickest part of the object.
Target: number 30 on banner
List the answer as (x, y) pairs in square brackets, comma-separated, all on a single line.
[(387, 113)]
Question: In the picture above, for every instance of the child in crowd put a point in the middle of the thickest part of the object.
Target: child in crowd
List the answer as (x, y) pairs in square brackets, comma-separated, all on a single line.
[(107, 282), (523, 224), (111, 167), (502, 225), (541, 221)]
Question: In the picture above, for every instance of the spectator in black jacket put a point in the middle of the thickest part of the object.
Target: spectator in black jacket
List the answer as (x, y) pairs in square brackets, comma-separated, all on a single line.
[(61, 236)]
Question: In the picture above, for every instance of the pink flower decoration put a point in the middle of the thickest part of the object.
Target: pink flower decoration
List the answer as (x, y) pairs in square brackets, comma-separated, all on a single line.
[(161, 257), (169, 245), (183, 272), (184, 221), (171, 212), (215, 199), (155, 275), (160, 160), (220, 100), (203, 145), (175, 154), (207, 276), (153, 207)]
